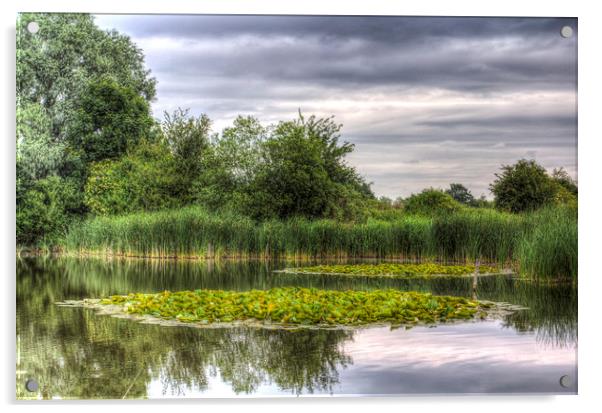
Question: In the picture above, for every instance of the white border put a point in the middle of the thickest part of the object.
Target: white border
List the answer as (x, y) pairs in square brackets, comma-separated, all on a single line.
[(590, 93)]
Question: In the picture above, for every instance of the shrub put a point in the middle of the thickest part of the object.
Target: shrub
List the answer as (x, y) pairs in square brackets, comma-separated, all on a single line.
[(431, 202), (45, 210), (524, 186), (143, 180)]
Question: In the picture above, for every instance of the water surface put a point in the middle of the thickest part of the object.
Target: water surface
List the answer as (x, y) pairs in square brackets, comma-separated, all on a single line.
[(74, 353)]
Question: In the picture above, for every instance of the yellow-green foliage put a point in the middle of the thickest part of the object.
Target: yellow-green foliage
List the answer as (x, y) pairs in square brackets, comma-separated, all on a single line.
[(145, 178), (394, 270), (301, 306)]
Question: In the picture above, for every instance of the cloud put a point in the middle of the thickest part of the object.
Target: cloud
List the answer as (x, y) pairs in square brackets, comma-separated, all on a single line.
[(440, 92)]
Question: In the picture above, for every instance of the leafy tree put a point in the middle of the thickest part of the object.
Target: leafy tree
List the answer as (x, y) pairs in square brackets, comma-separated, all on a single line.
[(232, 164), (56, 69), (431, 202), (55, 65), (45, 210), (38, 154), (188, 139), (523, 186), (461, 194), (144, 179), (563, 179), (109, 119), (566, 188), (303, 173)]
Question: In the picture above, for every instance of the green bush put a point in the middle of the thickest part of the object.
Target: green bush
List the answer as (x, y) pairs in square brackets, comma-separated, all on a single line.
[(431, 202), (45, 210), (524, 186), (144, 180)]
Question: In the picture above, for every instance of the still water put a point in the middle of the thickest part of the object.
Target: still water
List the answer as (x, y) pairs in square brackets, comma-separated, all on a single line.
[(74, 353)]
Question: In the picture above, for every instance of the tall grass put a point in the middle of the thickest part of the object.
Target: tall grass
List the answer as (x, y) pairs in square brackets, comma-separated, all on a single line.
[(548, 248), (541, 244)]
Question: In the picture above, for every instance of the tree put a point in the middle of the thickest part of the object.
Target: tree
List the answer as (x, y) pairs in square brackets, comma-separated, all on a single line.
[(303, 173), (188, 138), (45, 209), (239, 147), (524, 186), (109, 119), (232, 165), (55, 65), (143, 180), (56, 69), (38, 154), (431, 202), (461, 194), (563, 179)]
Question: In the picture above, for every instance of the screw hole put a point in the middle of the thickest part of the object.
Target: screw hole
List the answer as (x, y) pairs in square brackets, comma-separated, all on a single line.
[(566, 31), (33, 27)]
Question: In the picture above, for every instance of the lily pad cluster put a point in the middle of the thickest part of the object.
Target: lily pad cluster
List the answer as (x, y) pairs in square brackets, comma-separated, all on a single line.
[(301, 306), (394, 270)]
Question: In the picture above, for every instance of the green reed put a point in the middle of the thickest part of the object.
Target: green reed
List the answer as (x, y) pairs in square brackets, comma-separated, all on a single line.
[(548, 248), (541, 244)]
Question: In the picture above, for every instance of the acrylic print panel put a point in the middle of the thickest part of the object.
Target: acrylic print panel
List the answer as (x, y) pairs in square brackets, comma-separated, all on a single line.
[(219, 205)]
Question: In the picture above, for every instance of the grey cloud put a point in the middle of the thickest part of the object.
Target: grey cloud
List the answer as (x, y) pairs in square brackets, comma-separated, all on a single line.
[(380, 28), (454, 53), (426, 101), (516, 120), (474, 68)]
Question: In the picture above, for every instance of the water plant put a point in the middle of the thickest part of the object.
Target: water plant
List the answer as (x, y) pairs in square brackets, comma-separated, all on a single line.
[(548, 249), (541, 244), (393, 270), (301, 306)]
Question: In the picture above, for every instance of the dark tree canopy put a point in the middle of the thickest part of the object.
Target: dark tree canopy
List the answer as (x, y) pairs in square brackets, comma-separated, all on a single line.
[(461, 194), (303, 173), (524, 186), (109, 119)]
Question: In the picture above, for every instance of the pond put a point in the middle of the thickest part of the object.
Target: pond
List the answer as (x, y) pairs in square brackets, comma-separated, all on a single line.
[(75, 353)]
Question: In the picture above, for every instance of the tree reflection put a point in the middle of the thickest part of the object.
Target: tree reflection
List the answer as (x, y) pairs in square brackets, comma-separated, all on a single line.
[(74, 353)]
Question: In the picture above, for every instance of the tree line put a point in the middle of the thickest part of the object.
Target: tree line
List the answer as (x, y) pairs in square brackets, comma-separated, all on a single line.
[(87, 143)]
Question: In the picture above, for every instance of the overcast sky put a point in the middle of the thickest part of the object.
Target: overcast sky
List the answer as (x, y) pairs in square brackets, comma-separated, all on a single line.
[(426, 101)]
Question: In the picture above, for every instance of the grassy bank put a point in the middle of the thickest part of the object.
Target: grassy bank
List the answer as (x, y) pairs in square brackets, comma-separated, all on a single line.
[(541, 244)]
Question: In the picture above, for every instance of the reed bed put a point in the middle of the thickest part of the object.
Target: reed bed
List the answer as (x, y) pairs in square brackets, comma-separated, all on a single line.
[(548, 248), (542, 244)]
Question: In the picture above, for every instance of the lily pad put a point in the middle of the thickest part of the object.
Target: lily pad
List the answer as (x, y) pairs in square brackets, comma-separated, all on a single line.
[(395, 270), (292, 306)]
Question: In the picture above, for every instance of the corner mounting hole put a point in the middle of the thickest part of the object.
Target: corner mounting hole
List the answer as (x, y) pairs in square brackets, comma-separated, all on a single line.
[(565, 381), (33, 27), (31, 385), (566, 32)]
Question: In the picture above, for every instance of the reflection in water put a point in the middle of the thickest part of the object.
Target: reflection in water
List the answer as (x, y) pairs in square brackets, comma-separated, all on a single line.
[(74, 353)]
